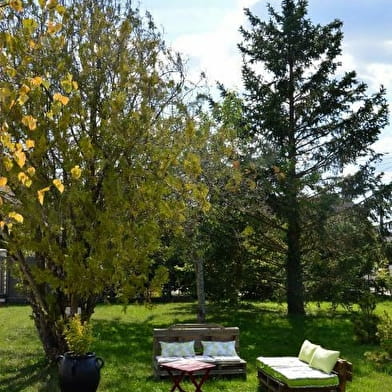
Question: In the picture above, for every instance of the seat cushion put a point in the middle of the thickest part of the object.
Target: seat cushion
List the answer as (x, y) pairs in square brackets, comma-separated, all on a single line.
[(161, 359), (295, 373)]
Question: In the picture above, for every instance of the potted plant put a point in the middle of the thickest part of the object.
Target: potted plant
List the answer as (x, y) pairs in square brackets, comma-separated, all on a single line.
[(79, 369)]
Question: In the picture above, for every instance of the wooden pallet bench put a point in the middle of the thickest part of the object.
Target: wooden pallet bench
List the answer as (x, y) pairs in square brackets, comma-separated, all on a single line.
[(343, 369), (199, 333)]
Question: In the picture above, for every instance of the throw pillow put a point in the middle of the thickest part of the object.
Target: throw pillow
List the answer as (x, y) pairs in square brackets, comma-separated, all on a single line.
[(178, 349), (324, 360), (307, 350), (224, 349)]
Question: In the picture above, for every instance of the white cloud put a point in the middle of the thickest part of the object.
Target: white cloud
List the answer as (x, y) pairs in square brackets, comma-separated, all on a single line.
[(215, 51)]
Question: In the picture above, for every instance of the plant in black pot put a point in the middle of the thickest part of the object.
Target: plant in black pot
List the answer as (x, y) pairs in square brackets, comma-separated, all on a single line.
[(79, 369)]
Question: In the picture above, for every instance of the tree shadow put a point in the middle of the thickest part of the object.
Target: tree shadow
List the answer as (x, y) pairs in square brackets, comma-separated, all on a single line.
[(41, 373)]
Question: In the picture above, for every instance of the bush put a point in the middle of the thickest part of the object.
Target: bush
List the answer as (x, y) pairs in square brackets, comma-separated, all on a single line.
[(78, 335), (384, 332), (365, 321)]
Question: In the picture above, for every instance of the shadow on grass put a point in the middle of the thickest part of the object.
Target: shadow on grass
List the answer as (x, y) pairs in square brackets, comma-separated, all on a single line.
[(40, 373)]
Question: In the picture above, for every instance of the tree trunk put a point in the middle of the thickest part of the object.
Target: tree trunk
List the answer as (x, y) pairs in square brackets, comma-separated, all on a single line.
[(295, 297), (50, 334), (201, 297)]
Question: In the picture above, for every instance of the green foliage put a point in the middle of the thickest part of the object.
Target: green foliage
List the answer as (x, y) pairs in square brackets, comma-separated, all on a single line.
[(365, 321), (78, 335), (98, 154), (302, 124), (384, 332), (345, 249)]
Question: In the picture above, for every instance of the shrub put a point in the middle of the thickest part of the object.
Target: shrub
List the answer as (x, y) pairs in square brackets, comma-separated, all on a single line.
[(384, 332), (78, 335), (365, 321)]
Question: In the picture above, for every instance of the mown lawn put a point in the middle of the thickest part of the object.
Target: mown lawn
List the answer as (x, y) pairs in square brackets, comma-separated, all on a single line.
[(124, 340)]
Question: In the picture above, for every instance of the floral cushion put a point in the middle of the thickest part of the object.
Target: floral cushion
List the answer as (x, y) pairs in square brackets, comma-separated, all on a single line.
[(224, 349), (178, 349)]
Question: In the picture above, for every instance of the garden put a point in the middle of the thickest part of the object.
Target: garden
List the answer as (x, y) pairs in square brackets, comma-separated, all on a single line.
[(126, 186), (124, 341)]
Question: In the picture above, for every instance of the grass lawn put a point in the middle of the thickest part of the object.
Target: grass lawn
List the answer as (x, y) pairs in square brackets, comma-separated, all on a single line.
[(124, 340)]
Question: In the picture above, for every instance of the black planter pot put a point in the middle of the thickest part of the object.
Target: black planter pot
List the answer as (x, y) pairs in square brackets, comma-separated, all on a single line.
[(79, 373)]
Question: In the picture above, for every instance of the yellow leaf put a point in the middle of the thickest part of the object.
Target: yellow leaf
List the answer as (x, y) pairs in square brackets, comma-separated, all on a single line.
[(22, 99), (32, 44), (2, 224), (75, 85), (30, 122), (41, 194), (76, 172), (61, 98), (54, 27), (7, 162), (4, 127), (36, 81), (51, 4), (31, 171), (3, 181), (12, 104), (59, 185), (61, 9), (16, 5), (15, 216), (20, 158), (5, 140), (30, 143), (24, 179), (49, 115), (11, 72), (24, 89), (4, 93)]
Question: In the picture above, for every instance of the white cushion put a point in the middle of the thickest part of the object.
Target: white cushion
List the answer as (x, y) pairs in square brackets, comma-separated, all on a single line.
[(227, 359), (161, 359)]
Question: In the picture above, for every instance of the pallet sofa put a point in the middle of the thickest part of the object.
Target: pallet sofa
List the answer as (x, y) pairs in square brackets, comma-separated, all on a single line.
[(204, 339), (314, 370)]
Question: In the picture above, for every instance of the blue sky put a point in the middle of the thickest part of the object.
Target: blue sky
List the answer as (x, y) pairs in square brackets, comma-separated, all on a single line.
[(206, 33)]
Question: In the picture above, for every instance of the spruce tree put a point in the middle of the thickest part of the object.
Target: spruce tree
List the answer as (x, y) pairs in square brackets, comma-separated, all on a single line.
[(304, 116)]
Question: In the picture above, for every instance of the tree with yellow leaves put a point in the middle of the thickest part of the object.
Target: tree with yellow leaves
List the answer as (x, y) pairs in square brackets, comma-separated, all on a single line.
[(95, 162)]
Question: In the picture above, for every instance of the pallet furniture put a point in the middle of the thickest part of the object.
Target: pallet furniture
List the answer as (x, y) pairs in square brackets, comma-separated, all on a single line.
[(190, 368), (199, 333), (343, 369)]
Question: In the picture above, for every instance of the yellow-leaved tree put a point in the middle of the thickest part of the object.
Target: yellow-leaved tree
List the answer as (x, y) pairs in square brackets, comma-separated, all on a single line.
[(95, 163)]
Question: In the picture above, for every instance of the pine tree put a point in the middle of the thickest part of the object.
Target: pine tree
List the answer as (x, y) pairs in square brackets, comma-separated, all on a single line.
[(305, 118)]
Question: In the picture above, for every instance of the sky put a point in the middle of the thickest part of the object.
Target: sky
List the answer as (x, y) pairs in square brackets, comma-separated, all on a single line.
[(206, 33)]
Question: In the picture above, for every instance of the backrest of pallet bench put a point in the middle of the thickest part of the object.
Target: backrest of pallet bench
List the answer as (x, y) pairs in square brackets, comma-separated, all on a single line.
[(196, 332)]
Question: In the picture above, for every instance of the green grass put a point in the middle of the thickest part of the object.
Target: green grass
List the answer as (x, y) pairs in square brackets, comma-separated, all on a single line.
[(124, 341)]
